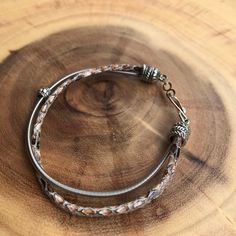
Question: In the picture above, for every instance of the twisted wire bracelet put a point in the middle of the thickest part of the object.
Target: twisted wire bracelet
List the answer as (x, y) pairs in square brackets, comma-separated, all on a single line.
[(178, 137)]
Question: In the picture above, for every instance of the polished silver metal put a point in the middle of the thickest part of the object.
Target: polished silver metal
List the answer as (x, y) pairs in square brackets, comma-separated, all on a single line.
[(145, 73)]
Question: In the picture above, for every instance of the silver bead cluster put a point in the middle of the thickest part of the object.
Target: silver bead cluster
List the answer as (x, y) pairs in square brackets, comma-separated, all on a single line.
[(150, 74), (181, 129)]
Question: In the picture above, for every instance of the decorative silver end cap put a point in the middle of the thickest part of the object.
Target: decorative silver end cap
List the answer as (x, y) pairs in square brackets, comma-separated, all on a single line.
[(181, 129), (150, 74)]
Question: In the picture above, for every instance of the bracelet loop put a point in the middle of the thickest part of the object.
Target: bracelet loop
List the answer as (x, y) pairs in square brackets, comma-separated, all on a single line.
[(178, 136)]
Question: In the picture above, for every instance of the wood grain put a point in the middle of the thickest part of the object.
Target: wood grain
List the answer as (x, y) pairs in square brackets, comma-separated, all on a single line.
[(106, 132)]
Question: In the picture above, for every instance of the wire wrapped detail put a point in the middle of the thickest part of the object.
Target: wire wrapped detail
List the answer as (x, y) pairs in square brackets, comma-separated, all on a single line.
[(150, 74), (181, 129)]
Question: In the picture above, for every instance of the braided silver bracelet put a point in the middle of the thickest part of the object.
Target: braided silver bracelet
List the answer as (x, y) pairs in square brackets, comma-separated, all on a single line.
[(178, 136)]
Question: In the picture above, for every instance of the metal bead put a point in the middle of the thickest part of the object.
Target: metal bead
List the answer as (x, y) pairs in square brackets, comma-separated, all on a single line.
[(150, 74), (181, 129), (44, 92)]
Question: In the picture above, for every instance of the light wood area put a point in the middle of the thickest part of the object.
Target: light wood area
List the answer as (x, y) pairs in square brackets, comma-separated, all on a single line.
[(108, 131)]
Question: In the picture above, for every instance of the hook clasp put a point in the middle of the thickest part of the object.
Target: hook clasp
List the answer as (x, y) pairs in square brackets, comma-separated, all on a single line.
[(182, 111)]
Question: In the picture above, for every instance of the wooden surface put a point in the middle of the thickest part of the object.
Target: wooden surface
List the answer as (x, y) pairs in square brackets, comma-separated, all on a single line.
[(107, 132)]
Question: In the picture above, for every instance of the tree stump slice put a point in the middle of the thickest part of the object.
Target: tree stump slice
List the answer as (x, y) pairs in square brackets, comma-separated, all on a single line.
[(108, 131)]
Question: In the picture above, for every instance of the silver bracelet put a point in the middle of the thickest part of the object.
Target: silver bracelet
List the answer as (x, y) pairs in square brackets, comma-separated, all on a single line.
[(178, 136)]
